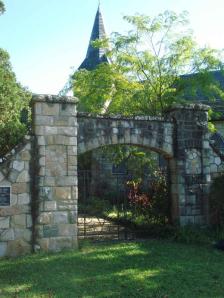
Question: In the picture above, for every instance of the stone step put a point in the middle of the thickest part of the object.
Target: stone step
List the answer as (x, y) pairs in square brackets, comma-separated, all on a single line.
[(98, 224), (102, 232), (115, 236), (99, 237), (98, 233), (93, 228), (93, 220), (105, 233), (101, 229)]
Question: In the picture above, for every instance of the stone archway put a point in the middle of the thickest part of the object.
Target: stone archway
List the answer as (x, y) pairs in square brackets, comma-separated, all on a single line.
[(61, 135), (155, 133)]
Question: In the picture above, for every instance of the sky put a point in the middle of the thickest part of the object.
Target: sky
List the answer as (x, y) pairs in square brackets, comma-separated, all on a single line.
[(48, 39)]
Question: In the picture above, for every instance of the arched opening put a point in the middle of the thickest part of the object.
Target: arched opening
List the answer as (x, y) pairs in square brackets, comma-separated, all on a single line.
[(121, 198)]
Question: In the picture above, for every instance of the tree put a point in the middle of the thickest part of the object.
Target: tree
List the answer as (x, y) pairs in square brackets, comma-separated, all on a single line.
[(96, 88), (2, 7), (13, 99), (155, 65), (14, 103)]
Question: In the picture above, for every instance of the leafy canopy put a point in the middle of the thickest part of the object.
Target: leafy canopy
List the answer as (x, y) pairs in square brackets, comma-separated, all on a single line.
[(13, 99), (149, 67), (14, 103), (2, 7)]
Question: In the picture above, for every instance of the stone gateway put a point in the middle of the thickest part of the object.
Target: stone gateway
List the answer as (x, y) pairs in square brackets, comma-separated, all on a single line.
[(38, 179)]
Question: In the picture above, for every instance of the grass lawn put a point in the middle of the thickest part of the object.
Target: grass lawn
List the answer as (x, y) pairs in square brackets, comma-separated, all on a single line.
[(136, 269)]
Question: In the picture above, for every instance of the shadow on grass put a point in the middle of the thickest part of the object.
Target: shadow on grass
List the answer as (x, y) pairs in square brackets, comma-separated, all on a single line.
[(136, 269)]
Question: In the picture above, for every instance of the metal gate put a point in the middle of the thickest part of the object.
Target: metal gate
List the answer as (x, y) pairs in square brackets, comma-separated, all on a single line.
[(103, 207)]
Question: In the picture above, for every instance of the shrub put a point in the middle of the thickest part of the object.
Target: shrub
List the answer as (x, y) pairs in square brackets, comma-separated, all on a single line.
[(153, 205)]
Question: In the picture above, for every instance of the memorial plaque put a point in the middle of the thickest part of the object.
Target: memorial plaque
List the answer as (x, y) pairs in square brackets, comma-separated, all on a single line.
[(4, 196)]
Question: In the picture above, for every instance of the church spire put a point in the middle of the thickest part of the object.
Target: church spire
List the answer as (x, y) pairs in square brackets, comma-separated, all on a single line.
[(95, 56)]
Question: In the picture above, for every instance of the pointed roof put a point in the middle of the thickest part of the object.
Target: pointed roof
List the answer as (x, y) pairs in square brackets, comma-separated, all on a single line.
[(95, 56)]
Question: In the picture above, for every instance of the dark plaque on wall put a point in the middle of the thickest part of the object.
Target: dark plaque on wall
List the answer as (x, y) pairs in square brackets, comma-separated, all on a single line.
[(4, 196)]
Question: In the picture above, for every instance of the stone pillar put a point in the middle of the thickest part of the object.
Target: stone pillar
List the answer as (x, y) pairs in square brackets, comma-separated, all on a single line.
[(189, 179), (55, 129)]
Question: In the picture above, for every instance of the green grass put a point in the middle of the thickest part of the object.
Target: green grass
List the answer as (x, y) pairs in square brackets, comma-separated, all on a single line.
[(136, 269)]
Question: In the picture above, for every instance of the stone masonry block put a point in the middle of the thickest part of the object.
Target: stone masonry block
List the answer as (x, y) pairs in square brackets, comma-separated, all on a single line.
[(3, 249), (25, 155), (50, 206), (67, 181), (67, 229), (19, 220), (2, 177), (49, 140), (4, 223), (18, 165), (67, 110), (6, 235), (39, 130), (28, 221), (54, 169), (50, 130), (73, 141), (72, 160), (60, 243), (61, 140), (42, 150), (72, 121), (64, 206), (18, 248), (13, 175), (42, 161), (44, 120), (18, 188), (14, 200), (23, 198), (49, 181), (62, 193), (50, 231), (67, 131), (38, 108), (12, 210), (50, 109), (23, 176), (45, 218), (60, 217), (21, 233), (41, 140), (44, 244)]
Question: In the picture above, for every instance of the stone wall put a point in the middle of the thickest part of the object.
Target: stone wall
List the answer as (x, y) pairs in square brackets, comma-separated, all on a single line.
[(15, 216), (41, 173), (215, 164), (189, 180), (55, 128)]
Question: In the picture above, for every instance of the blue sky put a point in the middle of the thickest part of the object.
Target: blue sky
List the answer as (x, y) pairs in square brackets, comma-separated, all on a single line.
[(47, 38)]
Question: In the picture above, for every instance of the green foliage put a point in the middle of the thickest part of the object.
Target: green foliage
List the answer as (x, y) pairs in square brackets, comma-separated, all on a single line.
[(2, 7), (216, 201), (96, 88), (13, 99), (149, 62), (136, 160), (153, 205), (191, 235)]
